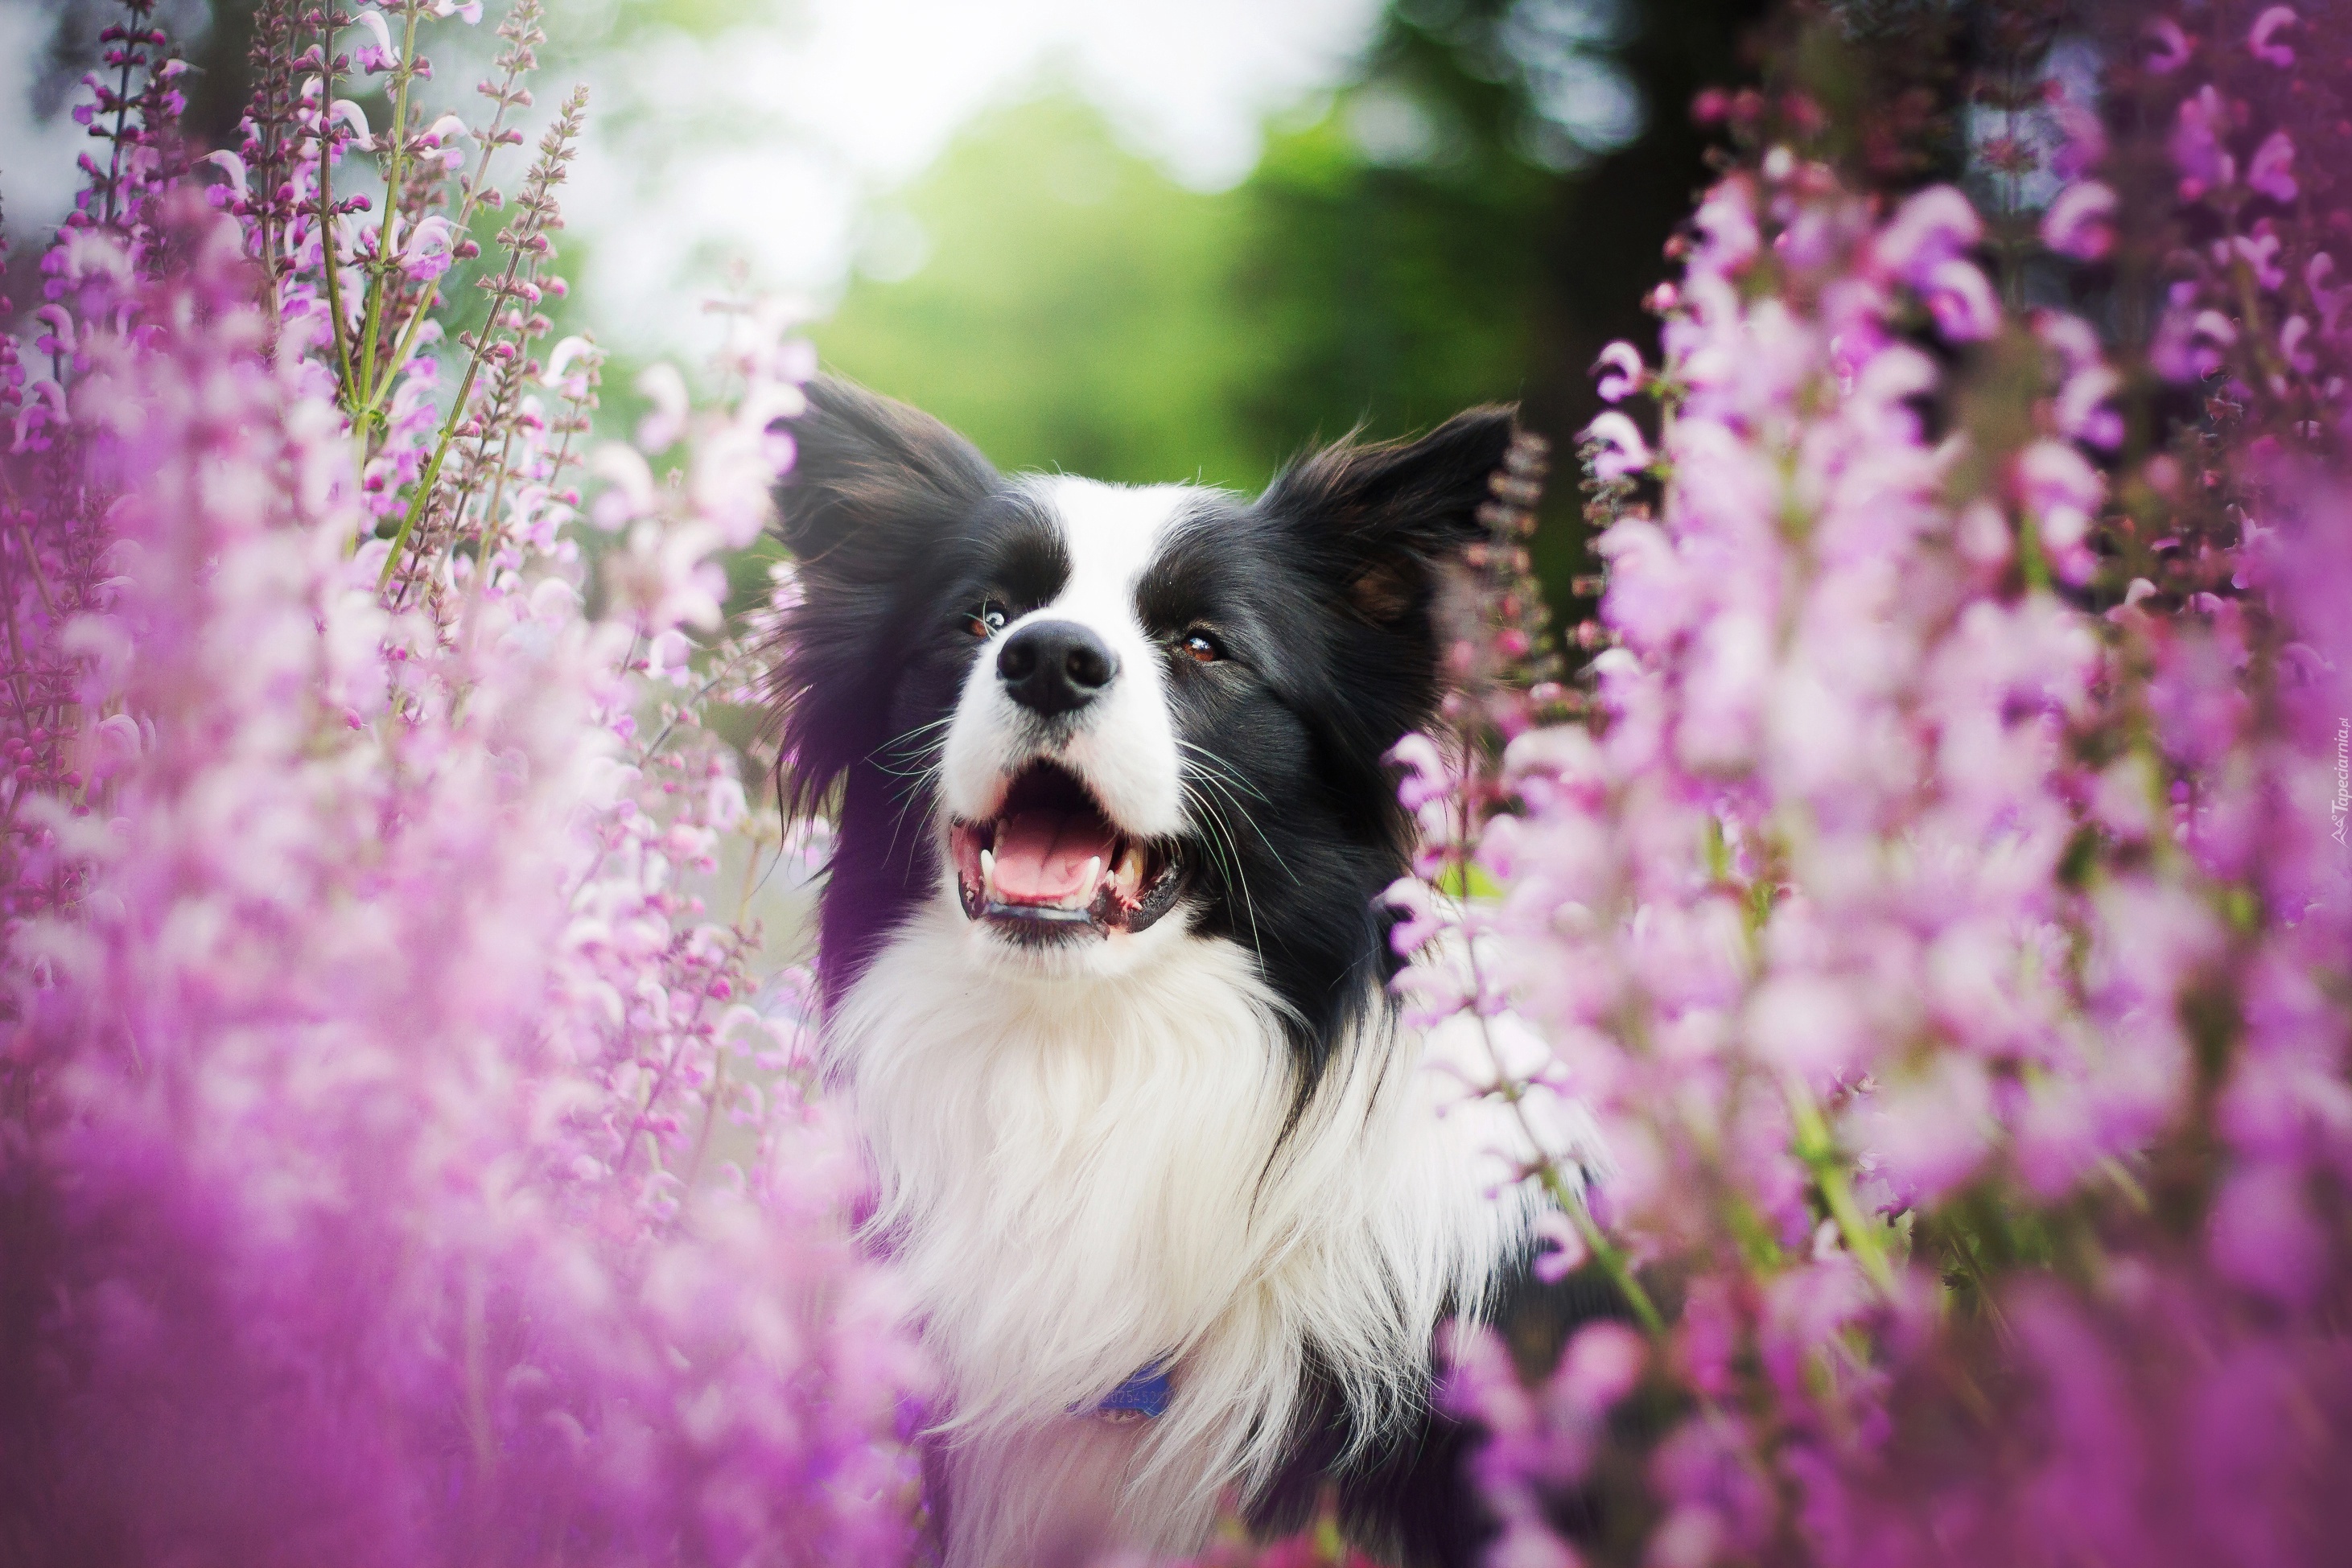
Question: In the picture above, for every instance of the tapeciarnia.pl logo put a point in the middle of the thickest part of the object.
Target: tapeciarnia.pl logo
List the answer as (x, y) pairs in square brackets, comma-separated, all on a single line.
[(2340, 809)]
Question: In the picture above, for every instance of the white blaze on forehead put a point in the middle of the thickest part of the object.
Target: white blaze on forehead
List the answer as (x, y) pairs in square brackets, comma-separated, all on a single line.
[(1112, 532), (1123, 745)]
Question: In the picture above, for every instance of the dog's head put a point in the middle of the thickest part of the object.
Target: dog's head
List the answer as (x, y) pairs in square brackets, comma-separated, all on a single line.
[(1097, 719)]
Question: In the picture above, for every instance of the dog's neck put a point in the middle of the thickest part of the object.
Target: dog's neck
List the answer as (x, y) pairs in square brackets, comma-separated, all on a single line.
[(1068, 1166), (1079, 1177)]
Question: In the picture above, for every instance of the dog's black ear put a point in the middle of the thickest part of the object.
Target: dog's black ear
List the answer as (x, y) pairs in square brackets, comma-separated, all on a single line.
[(873, 478), (1375, 525), (875, 487), (1375, 521)]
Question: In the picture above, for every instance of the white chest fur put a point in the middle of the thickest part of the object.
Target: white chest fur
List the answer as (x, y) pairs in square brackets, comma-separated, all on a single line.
[(1086, 1174)]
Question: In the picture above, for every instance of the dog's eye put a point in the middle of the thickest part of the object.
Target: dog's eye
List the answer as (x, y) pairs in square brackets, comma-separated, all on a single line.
[(1201, 648), (986, 619)]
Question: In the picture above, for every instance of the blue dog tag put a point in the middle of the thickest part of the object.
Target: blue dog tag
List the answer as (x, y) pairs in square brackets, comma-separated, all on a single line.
[(1141, 1397)]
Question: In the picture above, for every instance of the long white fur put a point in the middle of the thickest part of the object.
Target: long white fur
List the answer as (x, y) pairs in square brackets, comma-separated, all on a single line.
[(1071, 1182), (1083, 1168)]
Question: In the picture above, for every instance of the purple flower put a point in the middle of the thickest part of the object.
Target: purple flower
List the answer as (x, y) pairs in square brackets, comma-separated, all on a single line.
[(2262, 1235), (1726, 224), (1962, 302), (379, 54), (1937, 226), (2081, 222), (1947, 854), (1619, 448), (2267, 26), (2270, 170), (2197, 147), (427, 1041), (1626, 374), (2191, 346), (2172, 45)]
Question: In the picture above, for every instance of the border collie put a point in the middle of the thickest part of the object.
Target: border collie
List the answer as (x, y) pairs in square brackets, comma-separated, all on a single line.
[(1177, 1196)]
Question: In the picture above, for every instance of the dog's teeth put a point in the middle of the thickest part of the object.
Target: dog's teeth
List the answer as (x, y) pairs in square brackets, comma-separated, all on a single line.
[(988, 875), (1090, 880), (1130, 874)]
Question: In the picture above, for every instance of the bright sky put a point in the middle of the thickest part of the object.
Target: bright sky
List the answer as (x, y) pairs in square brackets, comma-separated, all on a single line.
[(769, 143)]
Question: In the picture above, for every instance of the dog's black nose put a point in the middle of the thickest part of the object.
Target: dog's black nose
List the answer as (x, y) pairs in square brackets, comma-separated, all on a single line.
[(1053, 666)]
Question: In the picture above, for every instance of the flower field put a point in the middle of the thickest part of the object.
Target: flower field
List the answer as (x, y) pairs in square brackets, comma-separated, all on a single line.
[(1928, 860)]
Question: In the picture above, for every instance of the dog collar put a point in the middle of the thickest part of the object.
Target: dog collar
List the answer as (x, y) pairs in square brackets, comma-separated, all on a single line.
[(1142, 1397)]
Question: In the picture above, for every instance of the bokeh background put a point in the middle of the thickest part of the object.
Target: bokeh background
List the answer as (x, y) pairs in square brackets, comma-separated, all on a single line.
[(1138, 239)]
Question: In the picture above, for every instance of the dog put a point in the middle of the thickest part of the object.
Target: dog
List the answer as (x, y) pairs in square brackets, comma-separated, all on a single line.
[(1179, 1201)]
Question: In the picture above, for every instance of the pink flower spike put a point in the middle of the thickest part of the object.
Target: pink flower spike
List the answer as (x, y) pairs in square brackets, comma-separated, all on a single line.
[(2291, 337), (2331, 301), (2196, 144), (2172, 46), (1933, 227), (381, 57), (1603, 1364), (470, 10), (2080, 225), (113, 745), (2269, 171), (559, 358), (352, 115), (1414, 902), (1962, 302), (1621, 449), (2053, 476), (428, 249), (1427, 775), (2081, 409), (229, 163), (2260, 252), (1726, 222), (1623, 361), (1562, 1246), (2267, 26)]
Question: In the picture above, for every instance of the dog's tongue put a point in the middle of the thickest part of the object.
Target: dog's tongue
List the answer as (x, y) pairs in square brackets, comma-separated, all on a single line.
[(1041, 856)]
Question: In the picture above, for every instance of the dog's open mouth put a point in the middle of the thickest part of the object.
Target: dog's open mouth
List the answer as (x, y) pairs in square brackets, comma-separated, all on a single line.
[(1050, 865)]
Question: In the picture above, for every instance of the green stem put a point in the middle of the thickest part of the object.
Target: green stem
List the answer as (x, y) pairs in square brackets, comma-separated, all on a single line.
[(449, 427), (387, 257), (1820, 1153), (491, 532), (473, 196), (1605, 1252), (327, 258), (2031, 563), (430, 476), (121, 122)]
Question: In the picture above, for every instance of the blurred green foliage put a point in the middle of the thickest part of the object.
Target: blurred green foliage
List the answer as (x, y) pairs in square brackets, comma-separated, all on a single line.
[(1081, 310), (1427, 238)]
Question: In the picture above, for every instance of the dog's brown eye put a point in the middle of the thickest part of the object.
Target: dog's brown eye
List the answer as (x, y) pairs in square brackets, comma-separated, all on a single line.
[(986, 619), (1201, 648)]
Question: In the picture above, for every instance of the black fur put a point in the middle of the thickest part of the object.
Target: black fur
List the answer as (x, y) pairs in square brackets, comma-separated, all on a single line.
[(1321, 593), (1412, 1498), (890, 515)]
